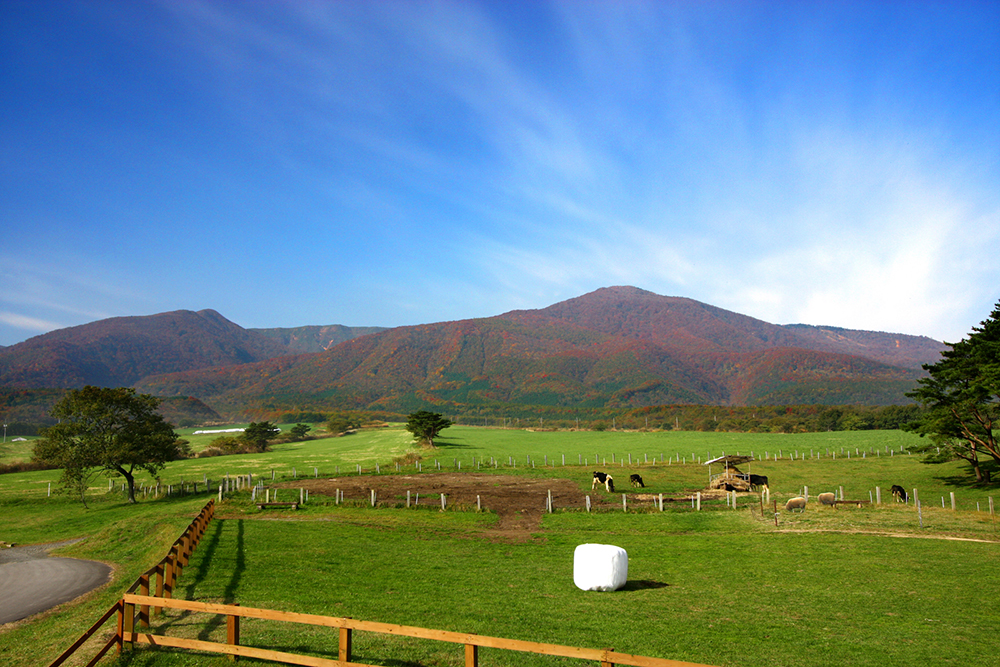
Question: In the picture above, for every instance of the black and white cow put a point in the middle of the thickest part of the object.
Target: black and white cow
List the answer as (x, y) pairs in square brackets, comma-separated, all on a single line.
[(899, 493), (636, 481), (605, 479)]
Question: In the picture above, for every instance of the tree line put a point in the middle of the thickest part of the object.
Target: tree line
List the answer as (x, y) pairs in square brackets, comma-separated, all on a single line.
[(734, 419)]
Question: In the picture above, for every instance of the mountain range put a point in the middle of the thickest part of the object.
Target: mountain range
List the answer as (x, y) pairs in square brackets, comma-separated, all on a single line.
[(614, 347)]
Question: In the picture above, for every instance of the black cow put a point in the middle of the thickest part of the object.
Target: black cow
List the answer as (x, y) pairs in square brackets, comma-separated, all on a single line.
[(899, 493), (605, 479), (757, 481), (636, 480)]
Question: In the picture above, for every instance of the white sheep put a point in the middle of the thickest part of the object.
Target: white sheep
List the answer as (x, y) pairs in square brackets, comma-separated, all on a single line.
[(797, 503), (827, 498)]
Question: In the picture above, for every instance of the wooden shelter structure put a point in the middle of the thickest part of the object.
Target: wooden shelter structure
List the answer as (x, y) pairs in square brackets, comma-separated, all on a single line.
[(731, 478)]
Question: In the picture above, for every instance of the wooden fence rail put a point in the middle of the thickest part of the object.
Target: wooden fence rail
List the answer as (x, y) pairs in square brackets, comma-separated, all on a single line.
[(116, 639), (346, 626), (167, 571)]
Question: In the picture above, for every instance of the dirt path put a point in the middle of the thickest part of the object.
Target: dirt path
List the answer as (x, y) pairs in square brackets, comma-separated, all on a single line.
[(518, 502)]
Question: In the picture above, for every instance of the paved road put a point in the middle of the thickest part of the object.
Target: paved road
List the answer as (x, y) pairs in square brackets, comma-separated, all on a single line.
[(31, 581)]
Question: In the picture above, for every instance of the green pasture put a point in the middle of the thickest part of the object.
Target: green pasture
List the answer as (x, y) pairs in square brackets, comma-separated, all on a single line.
[(714, 588), (858, 461), (877, 585), (17, 449)]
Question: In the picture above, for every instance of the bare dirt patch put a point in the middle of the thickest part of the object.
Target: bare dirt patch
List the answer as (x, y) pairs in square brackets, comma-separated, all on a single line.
[(518, 502)]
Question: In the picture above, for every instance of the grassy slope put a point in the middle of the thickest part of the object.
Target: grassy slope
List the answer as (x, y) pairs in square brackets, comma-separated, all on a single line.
[(721, 587)]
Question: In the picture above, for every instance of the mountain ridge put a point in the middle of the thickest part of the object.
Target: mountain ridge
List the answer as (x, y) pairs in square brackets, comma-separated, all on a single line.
[(615, 346), (119, 351), (611, 347)]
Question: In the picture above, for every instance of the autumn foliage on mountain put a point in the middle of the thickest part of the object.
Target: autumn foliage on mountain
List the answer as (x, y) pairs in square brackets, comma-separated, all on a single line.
[(122, 350), (615, 347)]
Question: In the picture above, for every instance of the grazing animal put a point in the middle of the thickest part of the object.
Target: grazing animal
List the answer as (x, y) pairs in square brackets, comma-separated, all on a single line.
[(757, 481), (797, 503), (636, 480), (827, 498), (899, 493), (605, 479)]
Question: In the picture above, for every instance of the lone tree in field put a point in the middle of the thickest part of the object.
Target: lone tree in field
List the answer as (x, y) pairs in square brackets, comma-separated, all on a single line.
[(114, 430), (425, 425), (962, 399), (257, 434)]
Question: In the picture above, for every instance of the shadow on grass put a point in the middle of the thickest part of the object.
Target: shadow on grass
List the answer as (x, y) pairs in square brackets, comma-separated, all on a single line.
[(448, 445), (642, 584), (209, 545), (968, 480), (206, 552), (229, 593)]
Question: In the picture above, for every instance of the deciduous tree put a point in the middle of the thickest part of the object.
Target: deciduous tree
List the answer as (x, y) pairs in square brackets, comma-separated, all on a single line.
[(425, 425), (257, 435), (114, 430)]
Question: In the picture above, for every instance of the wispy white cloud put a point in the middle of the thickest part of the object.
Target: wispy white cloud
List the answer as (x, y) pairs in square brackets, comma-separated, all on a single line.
[(40, 296), (27, 323)]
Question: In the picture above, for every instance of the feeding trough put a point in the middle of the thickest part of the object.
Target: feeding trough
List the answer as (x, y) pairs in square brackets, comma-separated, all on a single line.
[(731, 478)]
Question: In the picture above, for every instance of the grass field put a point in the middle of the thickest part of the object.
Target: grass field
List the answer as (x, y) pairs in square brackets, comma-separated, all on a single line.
[(871, 586)]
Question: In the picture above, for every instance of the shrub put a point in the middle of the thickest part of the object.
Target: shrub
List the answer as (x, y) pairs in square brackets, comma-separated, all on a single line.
[(210, 451), (25, 466), (228, 444)]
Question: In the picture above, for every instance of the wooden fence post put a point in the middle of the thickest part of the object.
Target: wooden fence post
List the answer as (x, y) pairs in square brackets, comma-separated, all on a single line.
[(119, 627), (170, 572), (344, 648), (161, 569), (144, 609), (182, 549), (605, 661), (233, 631), (471, 655), (128, 621)]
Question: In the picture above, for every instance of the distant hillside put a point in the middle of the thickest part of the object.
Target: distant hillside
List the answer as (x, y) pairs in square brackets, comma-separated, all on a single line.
[(315, 338), (32, 406), (896, 349), (696, 328), (122, 350), (616, 347)]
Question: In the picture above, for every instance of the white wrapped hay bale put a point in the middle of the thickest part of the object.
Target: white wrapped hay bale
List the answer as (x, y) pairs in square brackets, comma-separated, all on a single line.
[(600, 567)]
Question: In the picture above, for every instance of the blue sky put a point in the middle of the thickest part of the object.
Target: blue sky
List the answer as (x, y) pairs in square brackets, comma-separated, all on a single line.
[(391, 163)]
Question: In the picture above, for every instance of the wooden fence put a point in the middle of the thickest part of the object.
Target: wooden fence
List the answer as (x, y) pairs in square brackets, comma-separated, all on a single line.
[(346, 626), (132, 614), (167, 571)]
